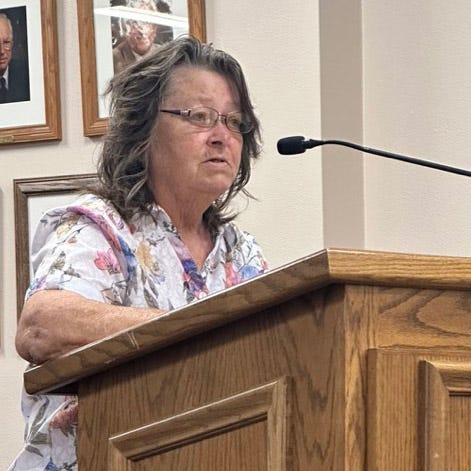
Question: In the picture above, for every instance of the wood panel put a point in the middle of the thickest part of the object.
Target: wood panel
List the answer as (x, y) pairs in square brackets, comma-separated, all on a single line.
[(395, 318), (418, 317), (268, 403), (398, 270), (302, 339), (459, 439), (360, 334), (409, 410), (445, 416)]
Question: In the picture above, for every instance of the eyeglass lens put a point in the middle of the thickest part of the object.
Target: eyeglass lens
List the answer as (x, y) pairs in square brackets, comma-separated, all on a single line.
[(207, 117)]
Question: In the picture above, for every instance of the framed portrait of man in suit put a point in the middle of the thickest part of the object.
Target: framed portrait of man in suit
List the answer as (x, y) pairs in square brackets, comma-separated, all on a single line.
[(14, 67), (116, 33), (29, 81)]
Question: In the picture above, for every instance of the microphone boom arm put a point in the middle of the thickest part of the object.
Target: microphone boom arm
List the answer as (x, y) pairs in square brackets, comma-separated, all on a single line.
[(310, 143)]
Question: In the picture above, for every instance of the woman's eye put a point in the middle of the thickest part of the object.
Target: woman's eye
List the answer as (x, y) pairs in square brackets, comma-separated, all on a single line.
[(200, 117), (234, 121)]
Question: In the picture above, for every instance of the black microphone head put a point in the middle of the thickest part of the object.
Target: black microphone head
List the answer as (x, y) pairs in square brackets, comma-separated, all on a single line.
[(292, 145)]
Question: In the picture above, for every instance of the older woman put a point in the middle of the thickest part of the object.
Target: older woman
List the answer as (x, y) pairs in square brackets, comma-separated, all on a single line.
[(154, 235)]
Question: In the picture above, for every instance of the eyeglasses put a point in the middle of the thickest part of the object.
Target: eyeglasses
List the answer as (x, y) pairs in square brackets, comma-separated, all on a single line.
[(205, 117), (6, 44)]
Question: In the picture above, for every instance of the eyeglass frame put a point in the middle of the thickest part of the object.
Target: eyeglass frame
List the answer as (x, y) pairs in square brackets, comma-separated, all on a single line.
[(186, 113)]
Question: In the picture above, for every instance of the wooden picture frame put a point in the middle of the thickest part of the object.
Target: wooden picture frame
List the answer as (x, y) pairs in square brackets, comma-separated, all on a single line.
[(37, 116), (93, 124), (24, 190)]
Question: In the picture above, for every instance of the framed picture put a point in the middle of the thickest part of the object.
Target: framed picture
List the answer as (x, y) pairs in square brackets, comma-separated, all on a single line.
[(34, 196), (29, 72), (107, 35)]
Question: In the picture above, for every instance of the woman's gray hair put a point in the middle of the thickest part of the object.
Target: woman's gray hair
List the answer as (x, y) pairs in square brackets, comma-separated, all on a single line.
[(136, 95)]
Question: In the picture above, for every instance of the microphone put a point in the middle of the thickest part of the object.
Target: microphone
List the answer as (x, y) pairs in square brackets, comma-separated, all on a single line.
[(298, 145)]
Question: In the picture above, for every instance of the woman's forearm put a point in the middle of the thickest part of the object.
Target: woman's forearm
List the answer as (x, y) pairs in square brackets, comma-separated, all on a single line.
[(54, 322)]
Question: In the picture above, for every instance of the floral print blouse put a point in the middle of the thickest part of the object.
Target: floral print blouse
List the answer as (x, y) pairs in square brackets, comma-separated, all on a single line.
[(89, 249)]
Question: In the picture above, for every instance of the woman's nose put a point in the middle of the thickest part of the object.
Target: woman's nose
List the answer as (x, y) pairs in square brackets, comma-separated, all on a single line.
[(219, 132)]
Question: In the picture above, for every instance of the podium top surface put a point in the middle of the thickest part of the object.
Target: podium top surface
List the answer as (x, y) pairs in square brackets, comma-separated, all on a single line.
[(330, 266)]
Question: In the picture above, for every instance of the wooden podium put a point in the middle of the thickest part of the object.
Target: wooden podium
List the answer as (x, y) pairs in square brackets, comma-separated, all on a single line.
[(343, 360)]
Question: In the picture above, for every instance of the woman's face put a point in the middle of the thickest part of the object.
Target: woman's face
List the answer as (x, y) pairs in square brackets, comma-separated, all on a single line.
[(191, 164)]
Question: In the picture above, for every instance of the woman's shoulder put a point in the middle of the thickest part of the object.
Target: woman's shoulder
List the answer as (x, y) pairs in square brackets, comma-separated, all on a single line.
[(96, 207), (86, 209), (89, 206), (236, 237), (244, 251)]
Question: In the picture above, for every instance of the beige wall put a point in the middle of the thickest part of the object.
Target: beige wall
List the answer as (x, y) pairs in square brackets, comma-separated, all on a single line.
[(340, 37), (417, 101), (285, 89)]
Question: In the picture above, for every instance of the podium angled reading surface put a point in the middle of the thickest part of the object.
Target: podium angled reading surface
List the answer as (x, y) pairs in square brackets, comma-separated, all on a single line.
[(343, 360)]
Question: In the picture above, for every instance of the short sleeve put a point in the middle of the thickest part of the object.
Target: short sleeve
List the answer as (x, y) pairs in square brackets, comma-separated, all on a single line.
[(244, 256), (72, 252), (252, 255)]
